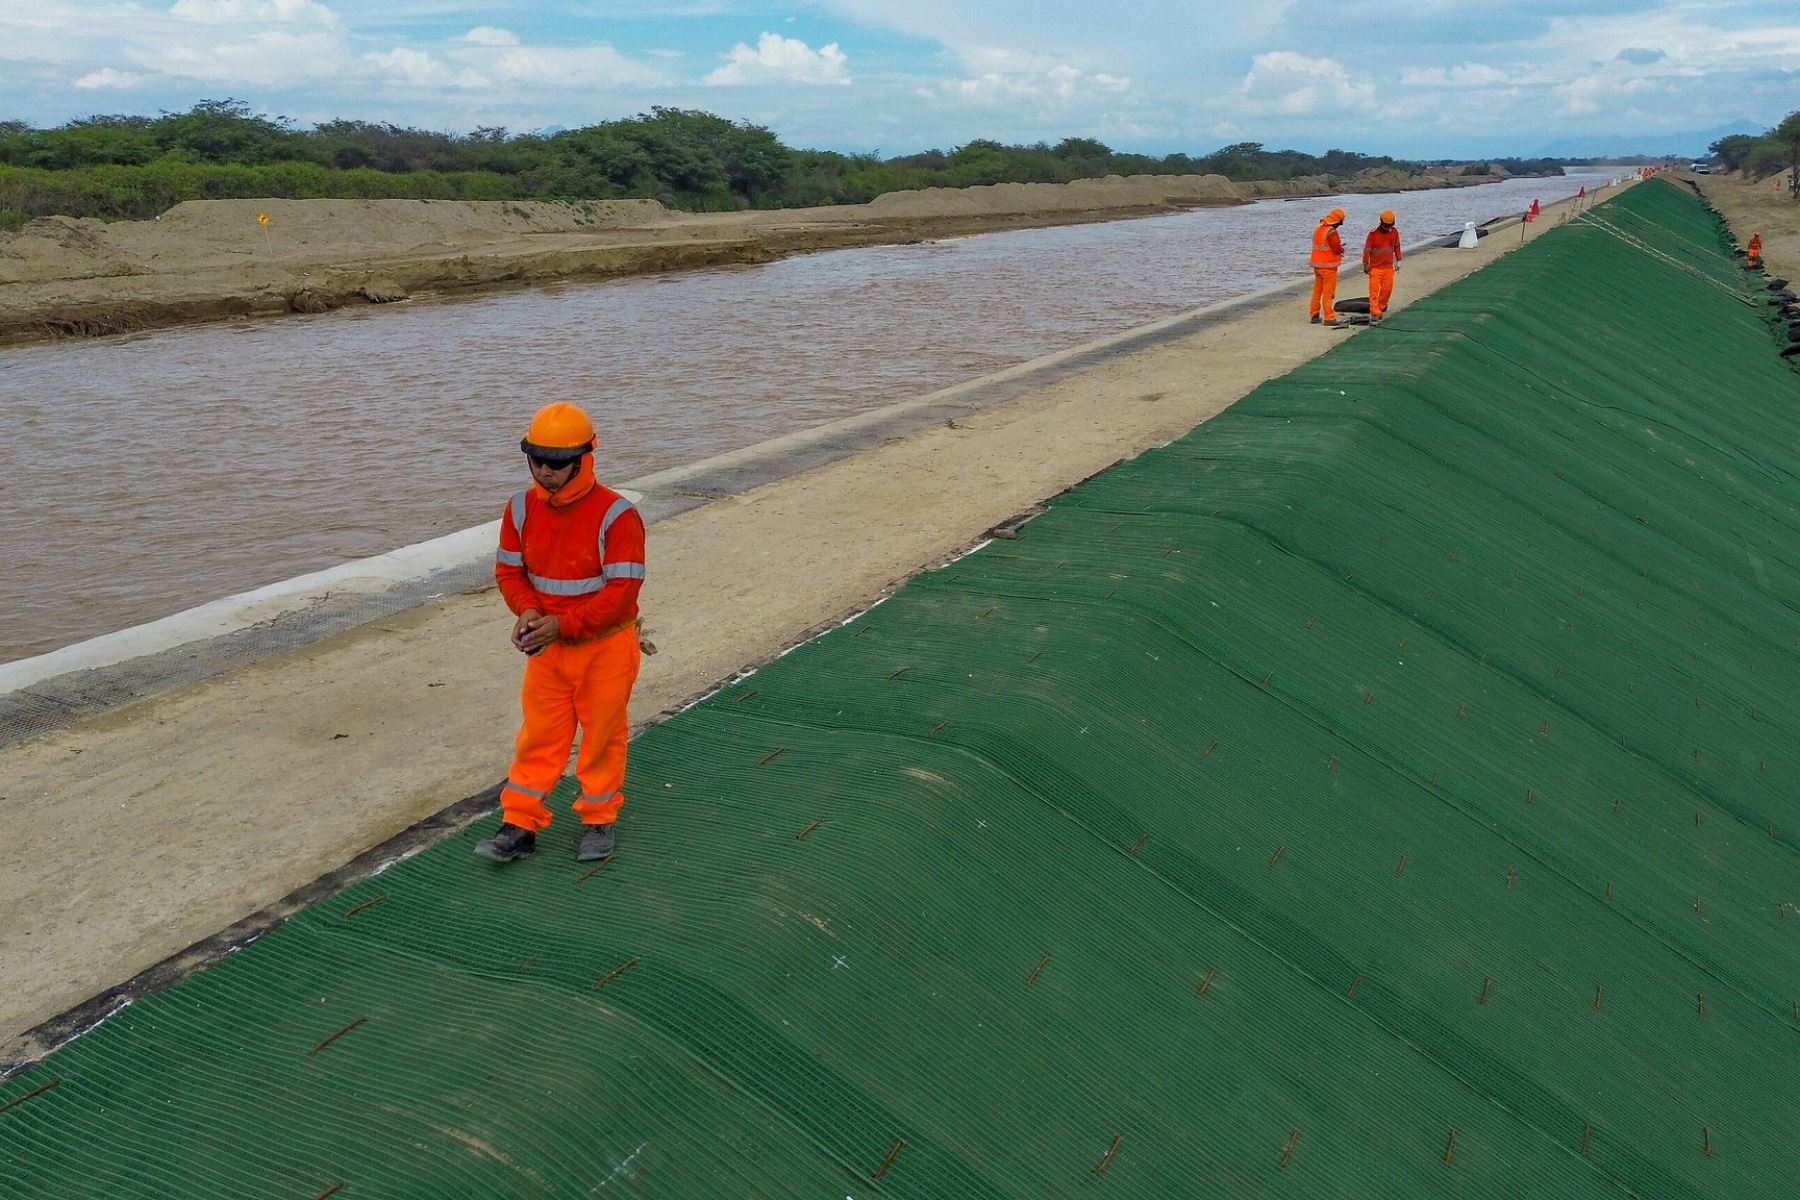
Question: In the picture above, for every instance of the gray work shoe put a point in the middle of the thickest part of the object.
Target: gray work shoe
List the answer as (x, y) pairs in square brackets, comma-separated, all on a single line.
[(597, 842), (510, 843), (1314, 319)]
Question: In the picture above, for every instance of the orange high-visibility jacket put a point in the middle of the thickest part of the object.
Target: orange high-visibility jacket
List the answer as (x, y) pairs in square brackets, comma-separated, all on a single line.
[(1327, 247), (582, 563), (1755, 246), (1382, 249)]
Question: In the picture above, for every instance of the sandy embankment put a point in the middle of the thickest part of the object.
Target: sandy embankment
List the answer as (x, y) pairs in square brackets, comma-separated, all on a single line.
[(211, 259), (136, 834)]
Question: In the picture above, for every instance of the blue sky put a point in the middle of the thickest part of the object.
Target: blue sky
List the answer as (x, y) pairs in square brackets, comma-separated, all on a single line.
[(1414, 78)]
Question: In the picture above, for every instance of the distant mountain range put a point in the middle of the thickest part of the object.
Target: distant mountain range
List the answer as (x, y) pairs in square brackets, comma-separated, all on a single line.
[(1689, 144)]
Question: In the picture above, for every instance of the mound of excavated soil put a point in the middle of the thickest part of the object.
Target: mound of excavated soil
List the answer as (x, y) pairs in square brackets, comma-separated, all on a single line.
[(207, 233), (1083, 195), (60, 248), (393, 223)]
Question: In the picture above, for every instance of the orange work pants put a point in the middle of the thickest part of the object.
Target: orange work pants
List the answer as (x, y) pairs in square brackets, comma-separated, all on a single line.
[(565, 684), (1381, 289), (1324, 293)]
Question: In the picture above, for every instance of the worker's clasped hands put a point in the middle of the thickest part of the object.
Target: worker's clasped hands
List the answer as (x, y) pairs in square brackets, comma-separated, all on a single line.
[(533, 631)]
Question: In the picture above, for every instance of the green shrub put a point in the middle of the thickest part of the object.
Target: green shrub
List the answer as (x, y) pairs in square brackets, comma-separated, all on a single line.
[(117, 167), (1768, 157)]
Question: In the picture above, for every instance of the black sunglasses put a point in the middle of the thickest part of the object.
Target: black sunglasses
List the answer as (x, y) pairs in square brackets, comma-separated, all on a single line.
[(552, 464)]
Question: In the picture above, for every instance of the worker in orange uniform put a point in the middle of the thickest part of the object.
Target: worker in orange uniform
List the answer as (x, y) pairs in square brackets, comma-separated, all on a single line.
[(1380, 259), (1327, 256), (570, 564), (1753, 251)]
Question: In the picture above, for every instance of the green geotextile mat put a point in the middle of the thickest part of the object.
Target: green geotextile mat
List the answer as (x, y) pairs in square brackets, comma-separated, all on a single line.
[(1384, 791)]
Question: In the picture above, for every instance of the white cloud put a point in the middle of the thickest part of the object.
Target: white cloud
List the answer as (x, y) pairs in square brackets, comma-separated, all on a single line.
[(488, 35), (778, 59), (412, 66), (1000, 60), (1467, 75), (1688, 42), (1158, 37), (598, 65), (1003, 74), (1582, 96), (266, 58), (1603, 93), (985, 88), (243, 12), (1282, 81), (1062, 79), (109, 77)]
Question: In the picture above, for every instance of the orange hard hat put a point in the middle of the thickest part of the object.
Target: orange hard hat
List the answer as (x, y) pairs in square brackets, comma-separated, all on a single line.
[(1387, 216), (1335, 217), (559, 432)]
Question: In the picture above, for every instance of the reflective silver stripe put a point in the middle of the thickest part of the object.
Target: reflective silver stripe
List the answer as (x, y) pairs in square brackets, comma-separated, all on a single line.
[(511, 558), (518, 514), (623, 570), (519, 787), (565, 587), (619, 508), (598, 799)]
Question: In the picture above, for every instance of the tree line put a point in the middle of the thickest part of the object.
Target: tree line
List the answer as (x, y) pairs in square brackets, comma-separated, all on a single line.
[(1761, 155), (124, 166)]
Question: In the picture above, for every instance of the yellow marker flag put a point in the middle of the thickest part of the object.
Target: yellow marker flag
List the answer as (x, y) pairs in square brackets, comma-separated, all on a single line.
[(262, 218)]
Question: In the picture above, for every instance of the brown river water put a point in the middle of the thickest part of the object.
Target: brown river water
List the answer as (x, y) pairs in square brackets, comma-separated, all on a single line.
[(151, 473)]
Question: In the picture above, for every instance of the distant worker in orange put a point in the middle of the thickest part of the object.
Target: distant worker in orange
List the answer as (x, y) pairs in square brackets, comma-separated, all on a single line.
[(1380, 259), (1327, 257), (570, 565), (1753, 251)]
